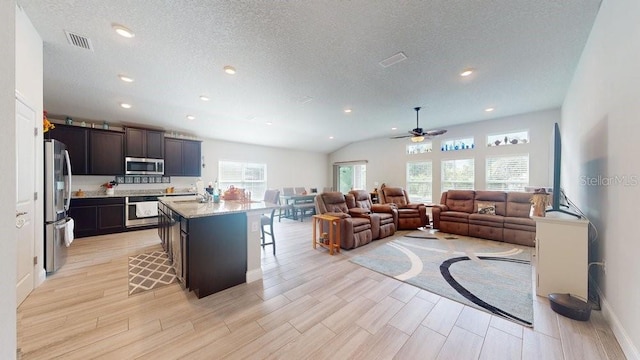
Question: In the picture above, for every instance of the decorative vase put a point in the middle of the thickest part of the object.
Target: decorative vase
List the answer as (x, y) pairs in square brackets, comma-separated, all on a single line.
[(110, 191)]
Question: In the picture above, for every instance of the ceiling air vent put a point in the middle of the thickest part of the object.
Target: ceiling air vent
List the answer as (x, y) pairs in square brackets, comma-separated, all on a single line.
[(78, 40), (393, 59)]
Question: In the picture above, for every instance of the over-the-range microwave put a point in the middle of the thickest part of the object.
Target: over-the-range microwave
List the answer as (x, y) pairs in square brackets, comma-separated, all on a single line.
[(143, 166)]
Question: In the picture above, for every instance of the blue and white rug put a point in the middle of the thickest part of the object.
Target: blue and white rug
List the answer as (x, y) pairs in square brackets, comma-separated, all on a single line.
[(489, 275)]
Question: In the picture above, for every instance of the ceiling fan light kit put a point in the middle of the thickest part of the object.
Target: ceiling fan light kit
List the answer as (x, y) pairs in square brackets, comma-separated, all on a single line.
[(417, 139)]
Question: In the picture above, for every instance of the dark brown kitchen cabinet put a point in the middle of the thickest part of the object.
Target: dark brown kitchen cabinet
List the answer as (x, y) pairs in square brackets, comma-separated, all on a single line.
[(76, 139), (144, 143), (97, 216), (106, 152), (182, 157)]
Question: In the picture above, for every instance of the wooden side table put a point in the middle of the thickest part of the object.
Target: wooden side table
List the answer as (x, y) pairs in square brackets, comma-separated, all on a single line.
[(334, 232)]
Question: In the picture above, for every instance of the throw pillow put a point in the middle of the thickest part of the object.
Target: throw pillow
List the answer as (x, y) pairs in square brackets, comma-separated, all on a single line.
[(487, 208)]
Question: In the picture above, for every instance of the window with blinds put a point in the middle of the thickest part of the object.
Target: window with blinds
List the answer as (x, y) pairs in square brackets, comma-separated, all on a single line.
[(508, 173), (420, 181), (457, 174), (249, 176)]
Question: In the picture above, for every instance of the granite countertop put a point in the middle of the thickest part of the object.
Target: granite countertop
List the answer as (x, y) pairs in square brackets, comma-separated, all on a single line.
[(188, 207), (123, 193)]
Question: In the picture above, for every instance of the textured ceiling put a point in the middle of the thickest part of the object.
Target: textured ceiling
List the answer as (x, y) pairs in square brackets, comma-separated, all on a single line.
[(287, 52)]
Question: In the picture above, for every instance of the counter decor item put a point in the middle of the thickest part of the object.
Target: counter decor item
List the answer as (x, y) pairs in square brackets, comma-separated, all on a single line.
[(540, 200), (46, 124), (109, 187), (233, 193)]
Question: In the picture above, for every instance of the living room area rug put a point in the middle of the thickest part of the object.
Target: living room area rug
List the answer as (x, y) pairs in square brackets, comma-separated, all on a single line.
[(489, 275), (149, 271)]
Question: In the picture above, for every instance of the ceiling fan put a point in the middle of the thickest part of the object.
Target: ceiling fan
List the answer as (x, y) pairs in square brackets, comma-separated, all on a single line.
[(417, 134)]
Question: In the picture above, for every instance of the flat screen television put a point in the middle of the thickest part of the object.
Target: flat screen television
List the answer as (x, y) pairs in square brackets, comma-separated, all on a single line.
[(556, 206)]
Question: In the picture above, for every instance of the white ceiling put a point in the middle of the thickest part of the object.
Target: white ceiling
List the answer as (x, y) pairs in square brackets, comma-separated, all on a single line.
[(285, 52)]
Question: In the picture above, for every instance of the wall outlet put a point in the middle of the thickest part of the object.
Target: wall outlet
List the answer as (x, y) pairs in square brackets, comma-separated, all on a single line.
[(254, 226)]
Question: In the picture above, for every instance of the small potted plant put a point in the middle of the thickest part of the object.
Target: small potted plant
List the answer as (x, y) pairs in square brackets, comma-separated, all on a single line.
[(109, 187)]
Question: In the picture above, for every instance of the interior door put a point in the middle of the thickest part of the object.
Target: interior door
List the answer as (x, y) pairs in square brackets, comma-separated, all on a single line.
[(25, 186)]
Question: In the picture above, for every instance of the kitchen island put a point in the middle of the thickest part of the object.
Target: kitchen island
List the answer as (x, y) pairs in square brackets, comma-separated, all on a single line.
[(213, 246)]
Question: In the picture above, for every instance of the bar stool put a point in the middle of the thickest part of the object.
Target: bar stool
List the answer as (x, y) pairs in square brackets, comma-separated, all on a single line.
[(270, 196)]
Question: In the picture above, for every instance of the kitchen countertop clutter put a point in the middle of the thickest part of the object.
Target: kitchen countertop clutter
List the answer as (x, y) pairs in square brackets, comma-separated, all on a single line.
[(80, 194), (189, 207)]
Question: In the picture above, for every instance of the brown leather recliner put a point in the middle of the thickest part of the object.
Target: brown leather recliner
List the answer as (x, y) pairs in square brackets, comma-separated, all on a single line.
[(354, 230), (410, 215), (383, 217)]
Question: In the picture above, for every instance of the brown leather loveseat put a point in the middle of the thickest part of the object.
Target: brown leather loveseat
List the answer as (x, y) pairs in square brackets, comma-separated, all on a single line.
[(494, 215)]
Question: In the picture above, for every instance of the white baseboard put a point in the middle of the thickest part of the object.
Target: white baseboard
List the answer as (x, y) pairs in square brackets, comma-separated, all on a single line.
[(40, 278), (629, 349), (254, 275)]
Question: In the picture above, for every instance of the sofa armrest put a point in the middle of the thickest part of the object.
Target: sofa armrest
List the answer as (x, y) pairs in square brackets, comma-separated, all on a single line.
[(413, 205), (340, 215), (383, 208), (359, 212), (435, 214)]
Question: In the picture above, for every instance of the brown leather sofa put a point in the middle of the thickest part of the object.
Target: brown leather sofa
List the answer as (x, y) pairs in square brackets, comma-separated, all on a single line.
[(354, 230), (383, 217), (463, 212), (410, 215)]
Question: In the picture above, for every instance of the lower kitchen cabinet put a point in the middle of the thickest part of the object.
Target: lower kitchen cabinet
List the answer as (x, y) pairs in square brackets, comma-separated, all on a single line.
[(97, 216)]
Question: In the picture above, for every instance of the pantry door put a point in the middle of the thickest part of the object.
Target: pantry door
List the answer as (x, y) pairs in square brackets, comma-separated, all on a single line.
[(25, 204)]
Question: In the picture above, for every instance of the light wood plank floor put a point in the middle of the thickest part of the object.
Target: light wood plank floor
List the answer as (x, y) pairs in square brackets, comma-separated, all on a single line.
[(310, 305)]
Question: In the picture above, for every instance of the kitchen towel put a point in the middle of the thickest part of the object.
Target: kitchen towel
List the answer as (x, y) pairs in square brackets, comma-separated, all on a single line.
[(146, 209), (68, 231)]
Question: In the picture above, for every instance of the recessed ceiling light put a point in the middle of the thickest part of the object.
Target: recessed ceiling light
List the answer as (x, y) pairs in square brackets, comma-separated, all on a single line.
[(204, 98), (394, 128), (269, 123), (125, 106), (123, 31), (489, 109), (347, 111), (191, 117), (125, 78), (229, 70), (330, 137), (467, 72)]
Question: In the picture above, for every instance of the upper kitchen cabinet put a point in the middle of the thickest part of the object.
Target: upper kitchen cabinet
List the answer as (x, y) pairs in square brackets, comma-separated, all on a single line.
[(144, 143), (76, 139), (182, 157), (106, 152)]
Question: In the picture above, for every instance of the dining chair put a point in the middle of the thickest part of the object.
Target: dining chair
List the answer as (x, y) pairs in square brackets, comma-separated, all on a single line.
[(286, 210), (270, 196)]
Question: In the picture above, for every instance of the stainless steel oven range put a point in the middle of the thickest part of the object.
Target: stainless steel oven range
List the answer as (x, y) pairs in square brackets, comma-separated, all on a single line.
[(141, 210)]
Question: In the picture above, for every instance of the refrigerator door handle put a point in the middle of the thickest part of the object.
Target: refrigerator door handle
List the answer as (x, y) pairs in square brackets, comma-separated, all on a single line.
[(66, 157)]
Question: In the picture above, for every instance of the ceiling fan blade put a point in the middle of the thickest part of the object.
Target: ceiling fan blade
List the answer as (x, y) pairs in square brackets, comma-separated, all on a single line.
[(401, 136), (434, 132)]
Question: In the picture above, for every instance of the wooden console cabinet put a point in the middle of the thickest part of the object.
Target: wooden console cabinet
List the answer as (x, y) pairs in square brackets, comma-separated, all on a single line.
[(562, 253)]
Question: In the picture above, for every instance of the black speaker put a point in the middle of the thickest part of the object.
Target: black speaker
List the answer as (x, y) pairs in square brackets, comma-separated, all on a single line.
[(570, 306)]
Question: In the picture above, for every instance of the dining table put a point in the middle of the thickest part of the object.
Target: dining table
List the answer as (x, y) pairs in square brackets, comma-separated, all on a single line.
[(288, 201)]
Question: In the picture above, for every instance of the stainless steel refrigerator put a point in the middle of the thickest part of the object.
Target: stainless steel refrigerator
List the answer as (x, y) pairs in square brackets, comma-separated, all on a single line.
[(57, 198)]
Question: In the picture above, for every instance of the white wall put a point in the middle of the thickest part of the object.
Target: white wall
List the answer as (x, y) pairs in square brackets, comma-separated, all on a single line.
[(285, 167), (8, 264), (600, 127), (387, 158), (29, 75)]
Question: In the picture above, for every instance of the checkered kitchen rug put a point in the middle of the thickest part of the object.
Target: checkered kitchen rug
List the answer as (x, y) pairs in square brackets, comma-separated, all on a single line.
[(149, 271)]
